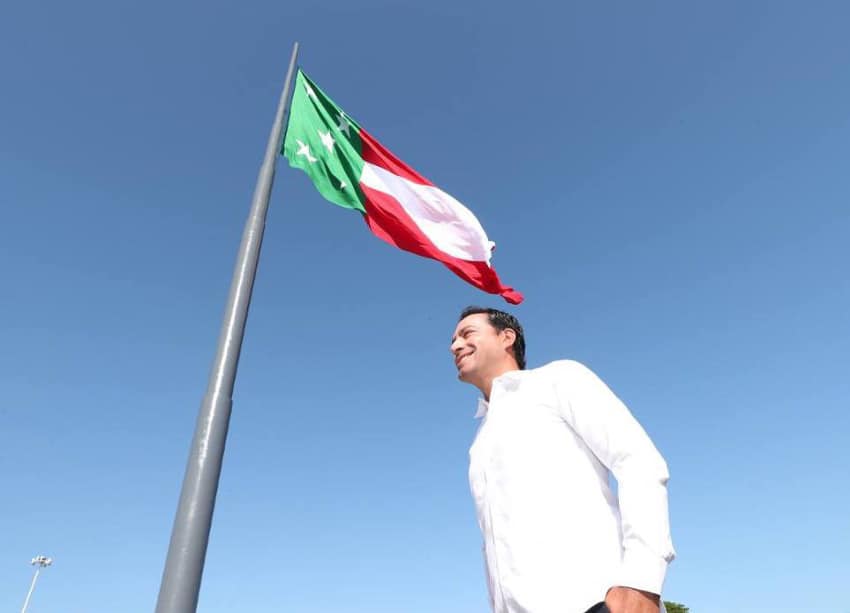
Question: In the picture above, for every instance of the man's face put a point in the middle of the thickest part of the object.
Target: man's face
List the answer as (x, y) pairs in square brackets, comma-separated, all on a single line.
[(477, 347)]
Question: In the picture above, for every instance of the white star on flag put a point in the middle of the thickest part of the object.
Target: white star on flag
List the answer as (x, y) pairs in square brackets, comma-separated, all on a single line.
[(304, 149), (327, 140), (310, 91), (343, 125)]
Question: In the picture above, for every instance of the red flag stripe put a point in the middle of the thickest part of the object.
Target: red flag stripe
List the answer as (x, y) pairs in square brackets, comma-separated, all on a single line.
[(375, 153), (388, 220)]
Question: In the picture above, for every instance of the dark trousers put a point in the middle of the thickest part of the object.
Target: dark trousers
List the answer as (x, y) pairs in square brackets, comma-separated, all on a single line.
[(598, 608)]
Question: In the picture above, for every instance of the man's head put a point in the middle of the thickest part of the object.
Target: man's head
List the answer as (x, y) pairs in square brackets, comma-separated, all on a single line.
[(486, 344)]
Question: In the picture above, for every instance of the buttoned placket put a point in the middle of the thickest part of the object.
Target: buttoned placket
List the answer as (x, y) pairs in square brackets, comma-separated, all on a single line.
[(492, 548)]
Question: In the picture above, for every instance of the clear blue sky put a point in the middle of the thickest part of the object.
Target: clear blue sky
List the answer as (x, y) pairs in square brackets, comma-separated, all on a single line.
[(667, 183)]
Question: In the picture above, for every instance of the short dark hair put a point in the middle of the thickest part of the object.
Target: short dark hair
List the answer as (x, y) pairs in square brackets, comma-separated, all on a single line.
[(502, 321)]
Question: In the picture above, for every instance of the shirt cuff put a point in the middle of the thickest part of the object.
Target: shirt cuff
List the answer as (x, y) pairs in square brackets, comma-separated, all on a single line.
[(642, 570)]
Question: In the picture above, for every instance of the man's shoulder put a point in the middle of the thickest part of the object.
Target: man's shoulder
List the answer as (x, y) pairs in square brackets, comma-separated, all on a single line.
[(560, 368), (567, 373)]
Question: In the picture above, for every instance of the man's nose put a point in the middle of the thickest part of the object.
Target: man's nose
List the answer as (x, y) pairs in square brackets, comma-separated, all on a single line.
[(456, 346)]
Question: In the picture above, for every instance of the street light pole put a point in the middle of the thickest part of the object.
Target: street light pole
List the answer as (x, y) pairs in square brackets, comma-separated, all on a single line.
[(39, 562)]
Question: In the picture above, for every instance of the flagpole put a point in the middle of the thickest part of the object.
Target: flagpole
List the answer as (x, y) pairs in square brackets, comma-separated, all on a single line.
[(184, 565)]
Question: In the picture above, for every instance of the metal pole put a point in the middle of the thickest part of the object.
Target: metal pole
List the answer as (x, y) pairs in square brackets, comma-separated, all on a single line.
[(39, 562), (184, 565), (32, 587)]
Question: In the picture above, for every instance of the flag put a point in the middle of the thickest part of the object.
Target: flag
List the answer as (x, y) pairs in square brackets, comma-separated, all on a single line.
[(353, 170)]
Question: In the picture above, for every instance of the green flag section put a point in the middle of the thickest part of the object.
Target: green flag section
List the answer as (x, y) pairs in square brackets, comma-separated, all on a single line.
[(351, 169)]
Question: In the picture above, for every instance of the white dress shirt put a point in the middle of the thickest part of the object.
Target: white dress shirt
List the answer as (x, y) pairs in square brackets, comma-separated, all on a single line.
[(556, 537)]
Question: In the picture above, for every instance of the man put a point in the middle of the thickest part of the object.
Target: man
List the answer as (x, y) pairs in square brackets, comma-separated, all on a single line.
[(556, 538)]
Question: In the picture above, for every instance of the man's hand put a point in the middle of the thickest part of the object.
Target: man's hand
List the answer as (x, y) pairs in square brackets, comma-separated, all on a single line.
[(628, 600)]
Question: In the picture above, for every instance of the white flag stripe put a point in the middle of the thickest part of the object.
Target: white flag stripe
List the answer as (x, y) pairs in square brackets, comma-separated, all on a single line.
[(452, 227)]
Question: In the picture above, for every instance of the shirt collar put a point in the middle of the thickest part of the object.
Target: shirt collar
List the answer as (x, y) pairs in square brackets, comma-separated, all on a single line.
[(483, 405), (509, 381)]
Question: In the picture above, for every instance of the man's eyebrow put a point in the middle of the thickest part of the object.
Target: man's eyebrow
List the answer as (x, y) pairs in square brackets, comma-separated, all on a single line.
[(462, 332)]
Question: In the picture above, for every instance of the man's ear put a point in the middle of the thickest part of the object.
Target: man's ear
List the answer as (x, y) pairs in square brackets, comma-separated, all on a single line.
[(509, 334)]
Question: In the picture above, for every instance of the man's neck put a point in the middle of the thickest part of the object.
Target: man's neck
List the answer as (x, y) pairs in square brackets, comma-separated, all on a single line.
[(486, 384)]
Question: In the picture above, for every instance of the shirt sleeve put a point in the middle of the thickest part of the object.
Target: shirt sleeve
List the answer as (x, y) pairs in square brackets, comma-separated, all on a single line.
[(616, 438), (489, 578)]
